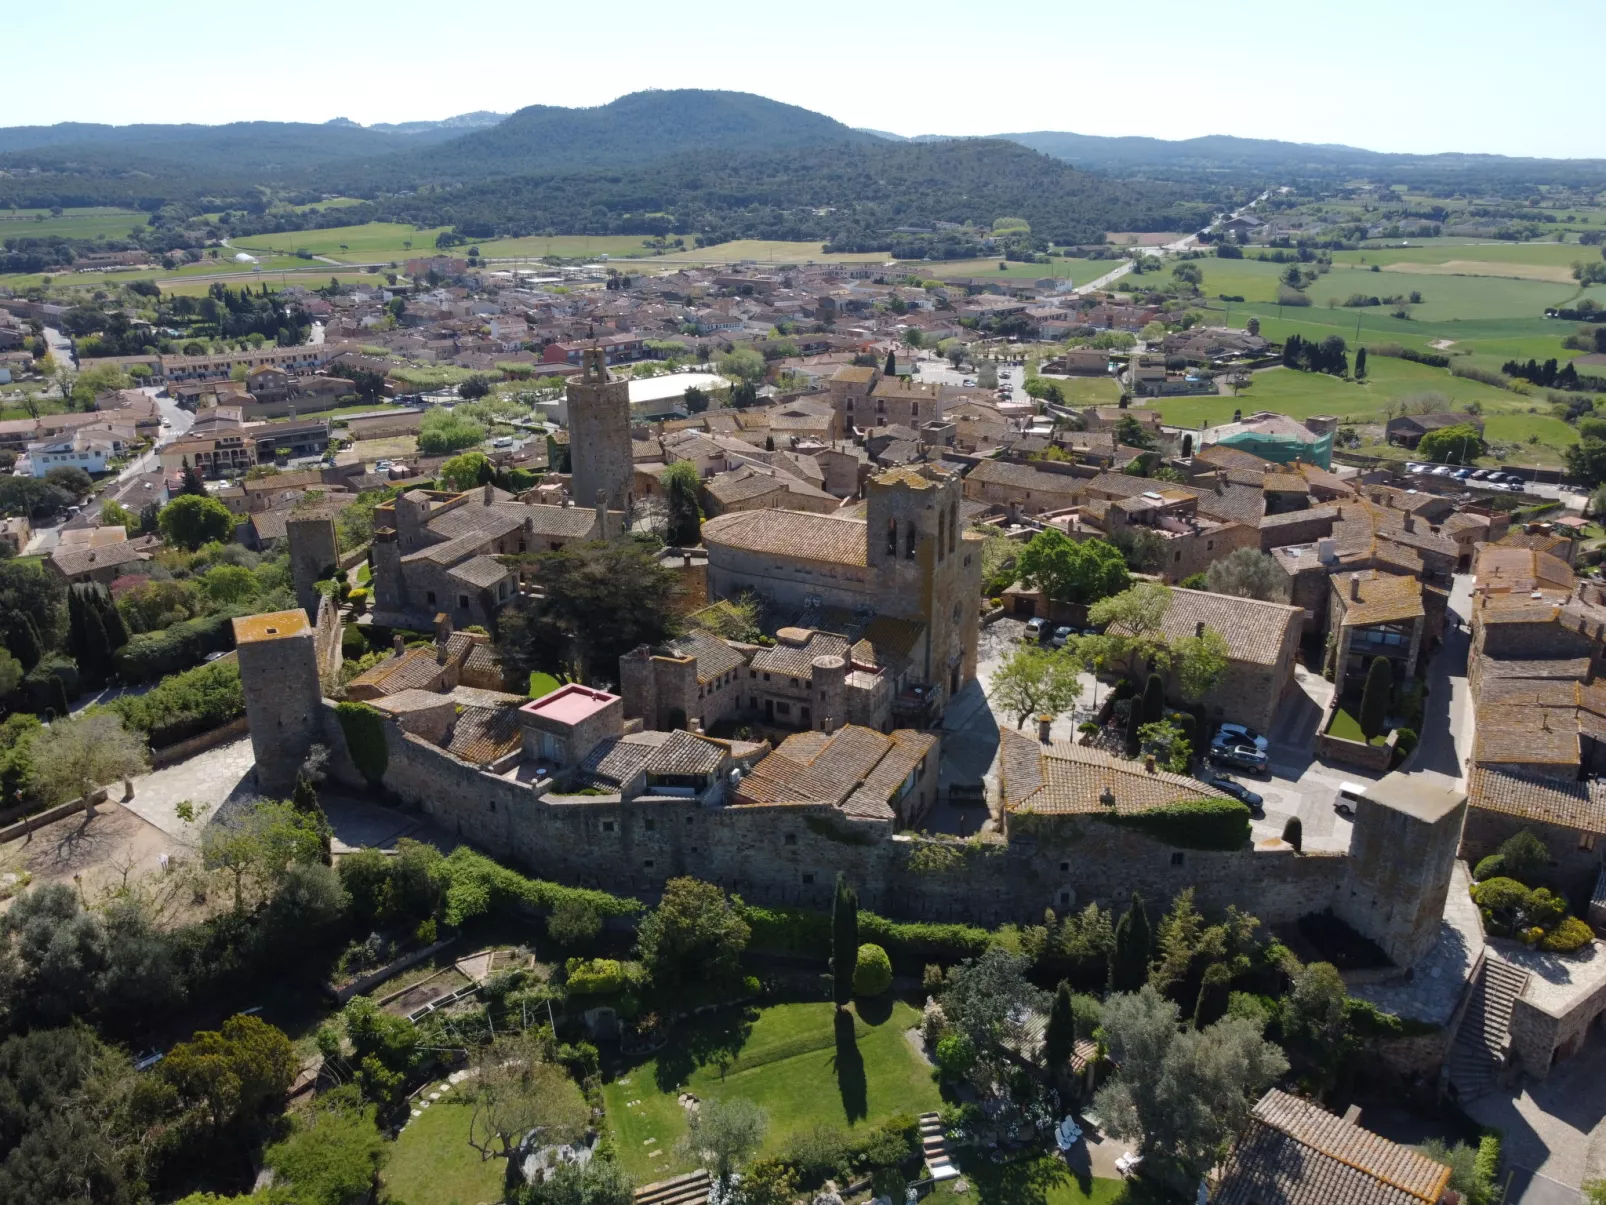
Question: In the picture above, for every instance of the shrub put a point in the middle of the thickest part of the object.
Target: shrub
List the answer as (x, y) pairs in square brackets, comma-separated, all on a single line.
[(1570, 935), (1196, 824), (156, 654), (1524, 855), (475, 886), (595, 976), (802, 931), (1492, 867), (1294, 833), (955, 1056), (186, 704), (872, 973)]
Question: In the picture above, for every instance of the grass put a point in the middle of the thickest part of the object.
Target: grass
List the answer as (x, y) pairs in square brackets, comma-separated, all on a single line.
[(433, 1163), (99, 222), (542, 684), (1081, 271), (1043, 1180), (795, 1061), (366, 243), (1089, 391), (1347, 728)]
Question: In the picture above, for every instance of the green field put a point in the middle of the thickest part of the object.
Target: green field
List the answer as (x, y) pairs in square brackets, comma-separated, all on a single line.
[(99, 222), (433, 1164), (1081, 271), (1089, 391), (787, 1059), (1041, 1180), (370, 242)]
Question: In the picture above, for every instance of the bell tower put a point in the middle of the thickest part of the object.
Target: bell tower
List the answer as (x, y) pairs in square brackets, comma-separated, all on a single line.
[(599, 435)]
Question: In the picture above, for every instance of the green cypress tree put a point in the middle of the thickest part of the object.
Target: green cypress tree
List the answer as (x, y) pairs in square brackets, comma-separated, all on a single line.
[(1375, 696), (75, 624), (1134, 721), (305, 799), (22, 641), (94, 663), (1214, 991), (112, 619), (1129, 961), (1153, 699), (1360, 363), (1059, 1035), (58, 697), (844, 940), (892, 364)]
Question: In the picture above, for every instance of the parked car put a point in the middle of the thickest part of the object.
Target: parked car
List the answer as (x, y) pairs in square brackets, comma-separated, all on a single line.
[(1349, 794), (1035, 626), (382, 466), (1443, 470), (1061, 635), (505, 441), (1240, 757), (1240, 734), (1234, 788), (1461, 474), (1480, 474)]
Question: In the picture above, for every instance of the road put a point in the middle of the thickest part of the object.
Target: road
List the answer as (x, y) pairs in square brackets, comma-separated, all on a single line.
[(177, 421)]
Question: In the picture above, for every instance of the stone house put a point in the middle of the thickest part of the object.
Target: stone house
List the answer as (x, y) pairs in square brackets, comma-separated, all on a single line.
[(1375, 614), (1407, 430), (1262, 645), (1029, 488), (1191, 541)]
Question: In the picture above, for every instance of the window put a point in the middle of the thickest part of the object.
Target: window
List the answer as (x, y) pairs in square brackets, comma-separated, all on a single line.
[(493, 805), (752, 673), (429, 597), (1176, 557), (691, 819), (607, 826), (1064, 866), (1209, 545), (462, 602), (942, 525), (892, 538), (650, 824), (1178, 858), (766, 675), (783, 709), (791, 839), (794, 681), (808, 880), (647, 865), (1065, 899), (909, 541), (1586, 842)]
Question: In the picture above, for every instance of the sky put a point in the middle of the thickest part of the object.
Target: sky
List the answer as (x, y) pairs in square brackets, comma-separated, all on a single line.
[(1388, 75)]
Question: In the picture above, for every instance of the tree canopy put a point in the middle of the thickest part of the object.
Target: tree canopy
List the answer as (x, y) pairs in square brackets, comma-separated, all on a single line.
[(1078, 571), (190, 521)]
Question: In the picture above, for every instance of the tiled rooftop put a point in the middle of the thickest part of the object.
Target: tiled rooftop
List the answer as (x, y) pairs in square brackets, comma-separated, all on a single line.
[(1068, 778), (1576, 805), (796, 534)]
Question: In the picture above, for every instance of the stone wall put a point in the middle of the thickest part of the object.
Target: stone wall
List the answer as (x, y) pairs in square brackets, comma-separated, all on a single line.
[(1573, 870), (314, 550)]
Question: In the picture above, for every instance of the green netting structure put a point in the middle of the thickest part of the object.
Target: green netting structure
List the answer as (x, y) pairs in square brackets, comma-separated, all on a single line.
[(1284, 449)]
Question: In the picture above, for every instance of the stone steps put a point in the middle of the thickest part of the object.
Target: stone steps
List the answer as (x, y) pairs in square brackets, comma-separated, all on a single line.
[(1480, 1043), (935, 1147), (690, 1189)]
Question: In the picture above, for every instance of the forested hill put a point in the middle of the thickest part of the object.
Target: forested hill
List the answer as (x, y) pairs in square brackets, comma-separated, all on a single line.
[(852, 195)]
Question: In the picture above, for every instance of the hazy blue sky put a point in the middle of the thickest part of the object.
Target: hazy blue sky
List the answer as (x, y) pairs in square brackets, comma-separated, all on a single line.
[(1393, 75)]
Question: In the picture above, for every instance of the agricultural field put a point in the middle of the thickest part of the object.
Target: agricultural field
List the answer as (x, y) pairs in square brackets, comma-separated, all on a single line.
[(788, 1060), (1089, 391), (1509, 417), (98, 222), (371, 242), (1080, 271)]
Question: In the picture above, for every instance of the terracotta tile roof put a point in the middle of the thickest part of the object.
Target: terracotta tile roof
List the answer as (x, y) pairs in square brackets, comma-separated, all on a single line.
[(843, 770), (1520, 570), (1024, 476), (1525, 735), (1234, 458), (797, 660), (714, 657), (1385, 597), (70, 562), (1065, 778), (1297, 1153), (484, 734), (686, 753), (888, 643), (1289, 518), (796, 534), (415, 668), (1254, 631), (881, 785), (1576, 805), (1571, 669), (481, 571)]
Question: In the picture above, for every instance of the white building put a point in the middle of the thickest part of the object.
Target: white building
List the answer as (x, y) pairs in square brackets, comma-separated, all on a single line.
[(87, 450)]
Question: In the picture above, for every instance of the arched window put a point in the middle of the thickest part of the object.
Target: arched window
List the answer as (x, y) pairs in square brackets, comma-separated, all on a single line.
[(953, 527), (942, 520), (892, 537), (909, 540)]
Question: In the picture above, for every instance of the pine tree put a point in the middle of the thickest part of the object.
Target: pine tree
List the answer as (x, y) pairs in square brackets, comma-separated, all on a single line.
[(192, 480), (1214, 991), (1059, 1035), (1129, 960), (1153, 699), (844, 940), (1375, 697)]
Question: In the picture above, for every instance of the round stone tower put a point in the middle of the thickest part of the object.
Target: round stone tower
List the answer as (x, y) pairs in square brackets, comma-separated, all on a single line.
[(599, 435), (830, 683)]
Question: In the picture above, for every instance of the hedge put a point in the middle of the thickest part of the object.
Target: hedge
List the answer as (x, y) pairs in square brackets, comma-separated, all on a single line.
[(186, 704), (152, 655), (475, 885), (365, 739), (808, 933), (595, 976), (1221, 824)]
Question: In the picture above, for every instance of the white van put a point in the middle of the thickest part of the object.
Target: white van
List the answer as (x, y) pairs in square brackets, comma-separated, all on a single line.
[(1349, 794)]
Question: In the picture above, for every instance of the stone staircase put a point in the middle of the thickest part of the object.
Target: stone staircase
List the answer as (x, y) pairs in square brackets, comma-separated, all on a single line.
[(690, 1189), (1480, 1041), (935, 1145)]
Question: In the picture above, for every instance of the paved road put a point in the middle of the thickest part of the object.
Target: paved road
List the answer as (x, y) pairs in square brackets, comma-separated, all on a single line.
[(178, 420), (1447, 721)]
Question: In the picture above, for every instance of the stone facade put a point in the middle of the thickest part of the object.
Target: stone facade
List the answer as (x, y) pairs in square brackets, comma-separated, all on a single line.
[(314, 551), (283, 697), (599, 435)]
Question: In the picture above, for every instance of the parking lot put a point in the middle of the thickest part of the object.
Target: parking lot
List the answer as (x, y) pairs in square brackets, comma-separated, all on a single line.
[(1297, 785)]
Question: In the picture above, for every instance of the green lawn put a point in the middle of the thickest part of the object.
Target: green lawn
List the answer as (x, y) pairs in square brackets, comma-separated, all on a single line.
[(1044, 1180), (100, 222), (542, 684), (1080, 271), (433, 1164), (795, 1061), (1347, 728)]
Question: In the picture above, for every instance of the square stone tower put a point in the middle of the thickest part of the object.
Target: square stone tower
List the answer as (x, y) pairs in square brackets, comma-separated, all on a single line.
[(922, 568), (314, 551), (283, 696), (599, 435)]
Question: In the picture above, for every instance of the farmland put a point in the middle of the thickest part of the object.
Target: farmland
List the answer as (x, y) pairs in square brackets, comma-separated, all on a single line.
[(370, 242), (98, 222)]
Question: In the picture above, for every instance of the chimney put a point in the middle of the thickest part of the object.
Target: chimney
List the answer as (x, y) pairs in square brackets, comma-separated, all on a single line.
[(1198, 628), (398, 646), (1148, 763), (1044, 723), (1410, 521), (1355, 587), (443, 628), (488, 494)]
